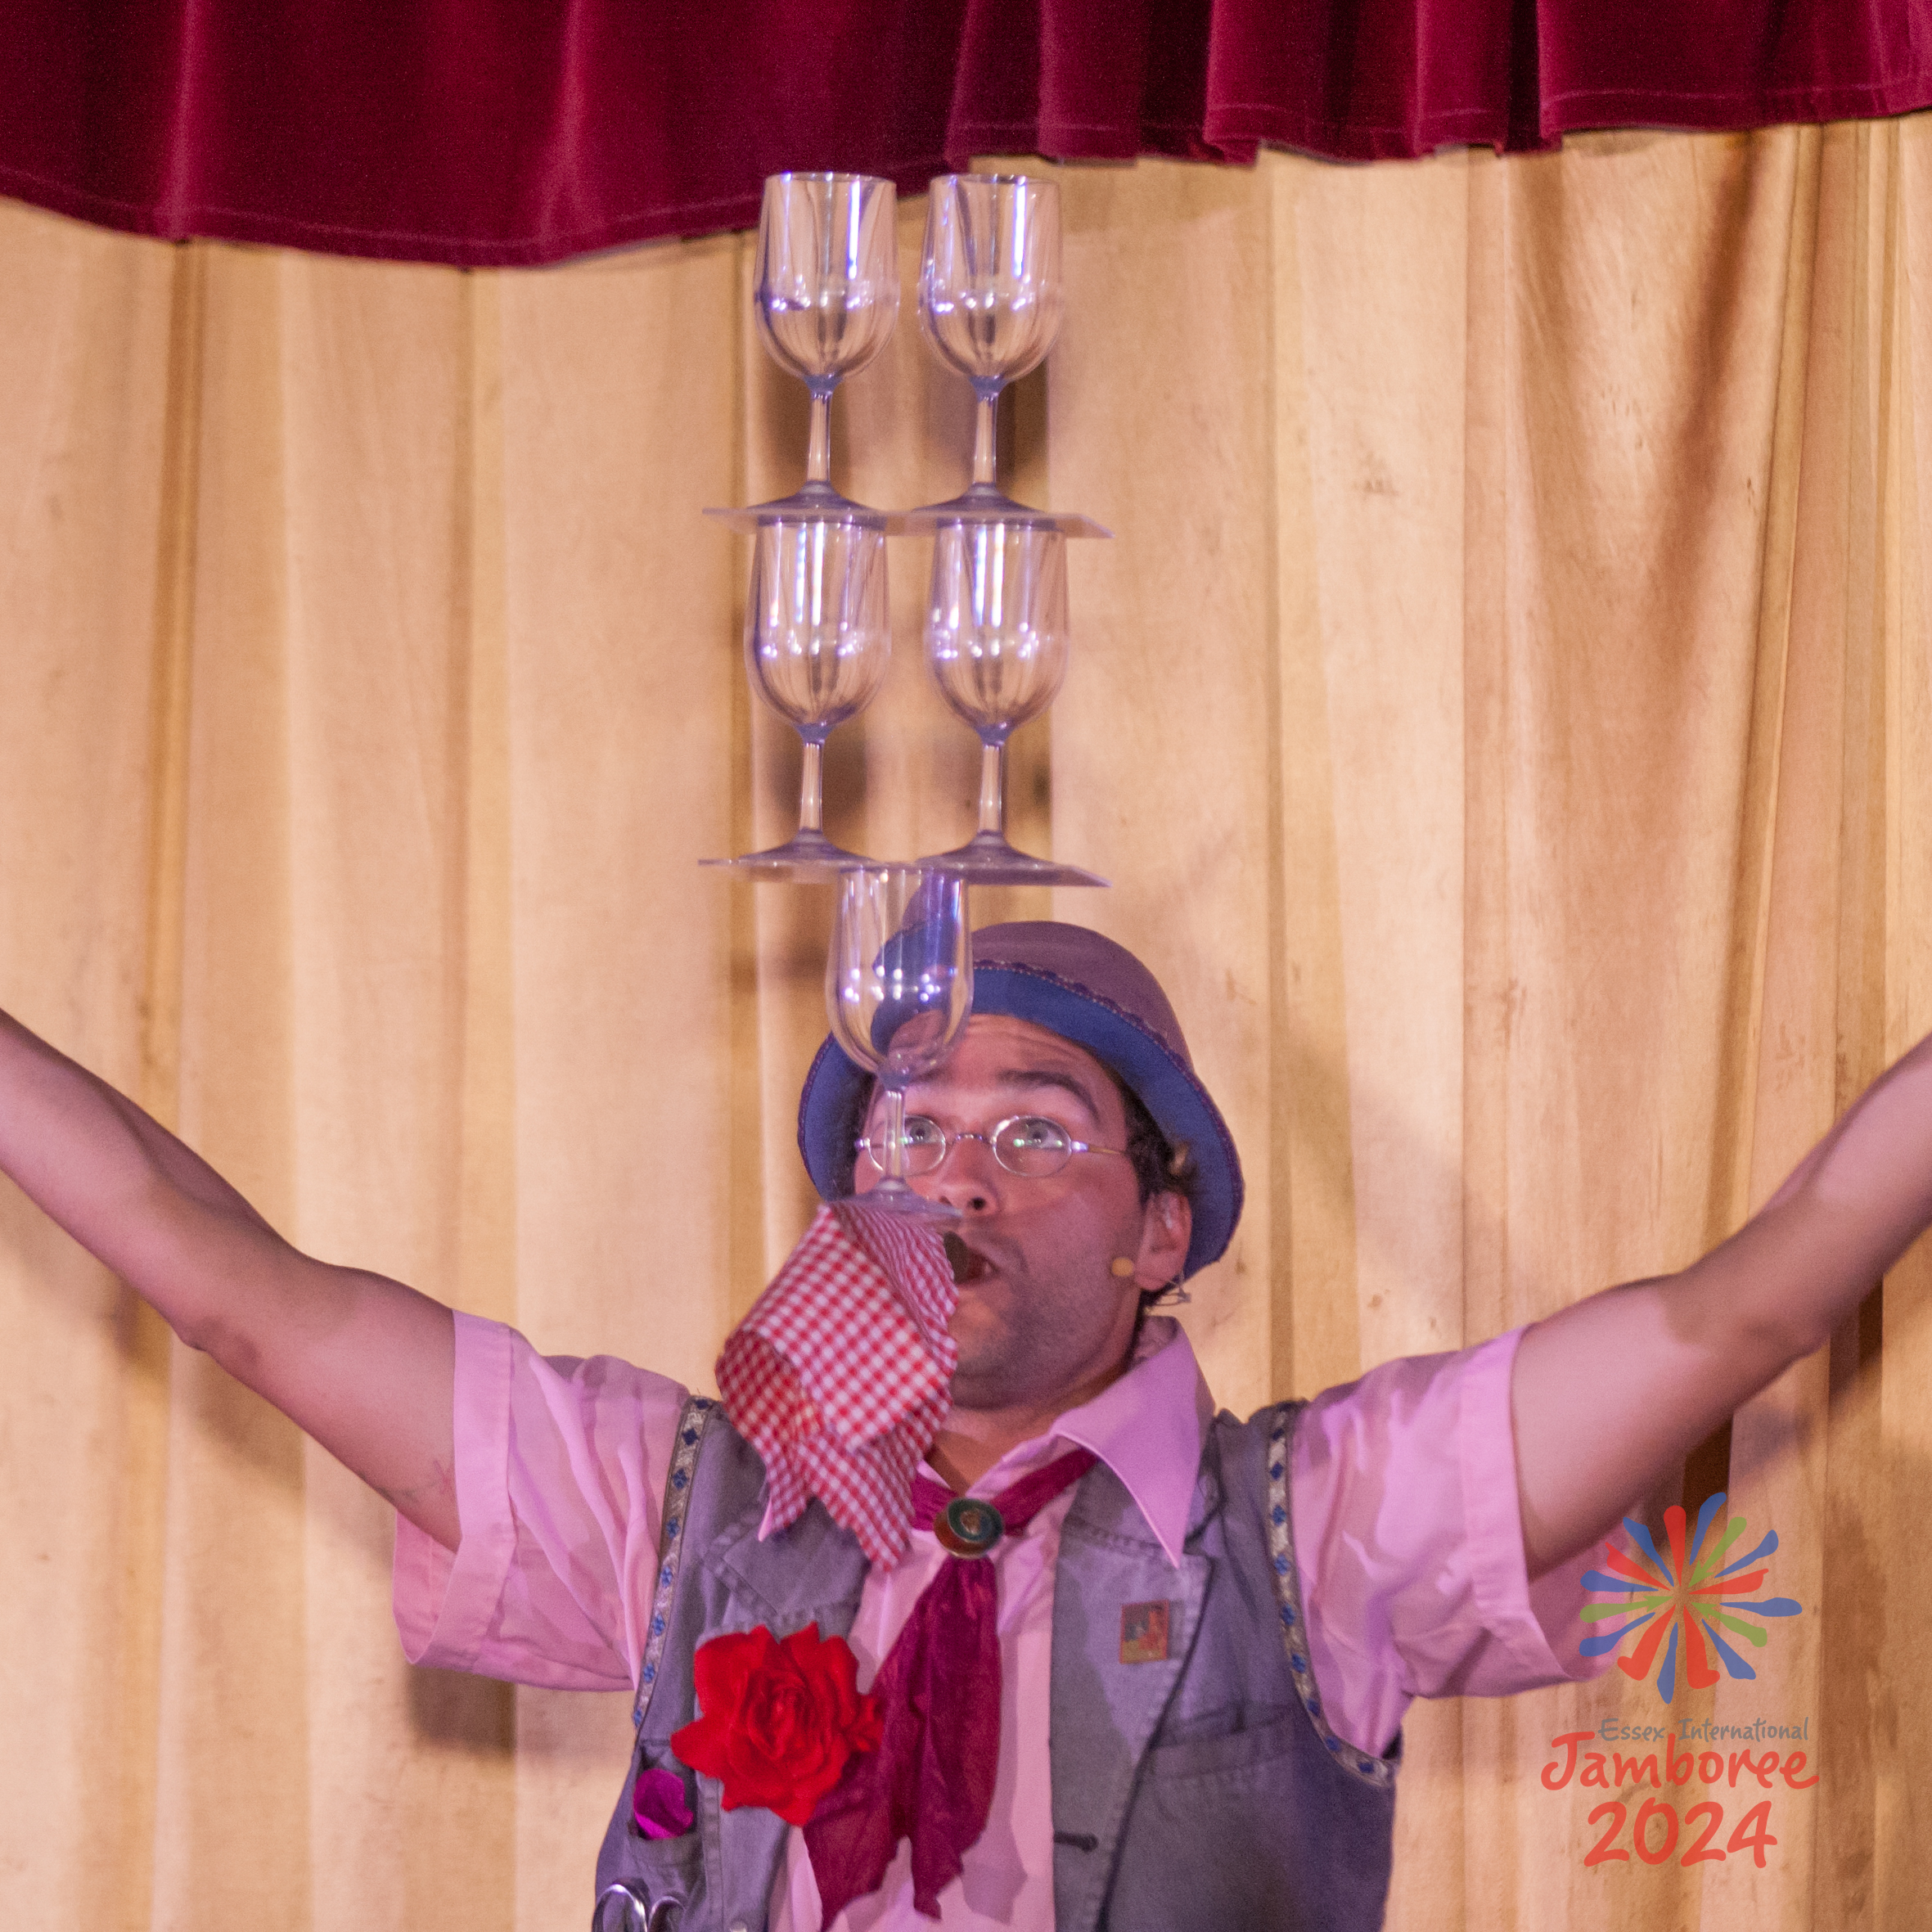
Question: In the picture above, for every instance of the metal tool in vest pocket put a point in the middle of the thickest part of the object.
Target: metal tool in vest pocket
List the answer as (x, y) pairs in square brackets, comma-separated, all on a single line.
[(619, 1909)]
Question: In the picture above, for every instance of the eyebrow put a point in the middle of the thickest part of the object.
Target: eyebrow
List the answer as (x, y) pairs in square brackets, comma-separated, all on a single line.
[(1038, 1076)]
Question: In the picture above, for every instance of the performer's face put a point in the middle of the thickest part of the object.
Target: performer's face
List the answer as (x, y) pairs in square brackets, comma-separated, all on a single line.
[(1041, 1313)]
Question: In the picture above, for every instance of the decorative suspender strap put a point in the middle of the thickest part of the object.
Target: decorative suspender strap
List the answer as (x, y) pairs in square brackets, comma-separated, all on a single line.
[(691, 1425), (1378, 1771)]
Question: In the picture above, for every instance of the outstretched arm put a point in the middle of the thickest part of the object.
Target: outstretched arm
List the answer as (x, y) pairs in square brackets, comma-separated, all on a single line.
[(1609, 1393), (363, 1364)]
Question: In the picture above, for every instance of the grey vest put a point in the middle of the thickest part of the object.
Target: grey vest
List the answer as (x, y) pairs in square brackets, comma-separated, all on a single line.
[(1202, 1792)]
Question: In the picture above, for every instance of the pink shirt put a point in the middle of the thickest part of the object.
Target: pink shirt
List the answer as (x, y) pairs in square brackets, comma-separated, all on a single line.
[(1404, 1490)]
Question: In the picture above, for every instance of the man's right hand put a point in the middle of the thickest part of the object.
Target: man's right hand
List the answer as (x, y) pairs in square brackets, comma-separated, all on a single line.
[(363, 1364)]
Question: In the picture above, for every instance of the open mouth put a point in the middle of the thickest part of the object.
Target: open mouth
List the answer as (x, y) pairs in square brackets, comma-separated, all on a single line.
[(968, 1263)]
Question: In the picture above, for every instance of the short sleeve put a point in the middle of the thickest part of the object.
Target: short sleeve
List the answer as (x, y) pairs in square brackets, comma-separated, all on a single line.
[(559, 1472), (1409, 1541)]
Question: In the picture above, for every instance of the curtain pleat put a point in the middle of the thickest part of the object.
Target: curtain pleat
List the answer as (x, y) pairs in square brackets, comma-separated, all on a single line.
[(1502, 710)]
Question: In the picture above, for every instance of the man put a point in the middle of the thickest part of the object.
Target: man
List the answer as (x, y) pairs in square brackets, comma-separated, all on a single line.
[(1205, 1637)]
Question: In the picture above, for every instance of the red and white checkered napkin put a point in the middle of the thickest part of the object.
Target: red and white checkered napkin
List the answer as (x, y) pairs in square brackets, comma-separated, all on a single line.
[(841, 1376)]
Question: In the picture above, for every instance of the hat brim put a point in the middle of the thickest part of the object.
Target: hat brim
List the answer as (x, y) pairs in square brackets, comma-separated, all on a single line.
[(1179, 1103)]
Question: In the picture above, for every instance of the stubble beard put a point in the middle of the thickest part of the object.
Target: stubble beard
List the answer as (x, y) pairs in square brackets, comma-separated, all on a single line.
[(1019, 1353)]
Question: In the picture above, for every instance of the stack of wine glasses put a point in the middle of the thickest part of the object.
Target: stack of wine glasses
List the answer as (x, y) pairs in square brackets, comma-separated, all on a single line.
[(996, 629), (817, 631), (818, 626)]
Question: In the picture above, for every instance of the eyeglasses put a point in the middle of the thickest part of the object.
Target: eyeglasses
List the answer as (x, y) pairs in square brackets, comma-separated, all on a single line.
[(1027, 1144)]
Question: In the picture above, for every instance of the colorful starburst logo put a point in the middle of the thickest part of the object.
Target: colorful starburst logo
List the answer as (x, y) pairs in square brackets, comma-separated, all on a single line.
[(1684, 1594)]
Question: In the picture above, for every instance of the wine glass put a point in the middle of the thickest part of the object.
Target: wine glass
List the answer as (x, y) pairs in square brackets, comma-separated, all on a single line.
[(818, 637), (996, 637), (989, 304), (898, 987), (826, 295), (989, 286)]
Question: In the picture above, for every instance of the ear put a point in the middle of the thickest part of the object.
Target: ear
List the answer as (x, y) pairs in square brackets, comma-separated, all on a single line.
[(1167, 1226)]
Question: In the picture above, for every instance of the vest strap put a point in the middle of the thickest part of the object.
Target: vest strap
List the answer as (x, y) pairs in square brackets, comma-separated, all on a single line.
[(691, 1425), (1378, 1771)]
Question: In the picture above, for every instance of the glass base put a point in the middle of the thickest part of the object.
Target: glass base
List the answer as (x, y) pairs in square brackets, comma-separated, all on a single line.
[(809, 501), (982, 503), (805, 858), (895, 1197), (987, 859)]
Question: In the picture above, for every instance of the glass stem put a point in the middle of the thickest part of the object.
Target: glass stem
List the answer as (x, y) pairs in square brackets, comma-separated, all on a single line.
[(812, 788), (818, 451), (986, 440), (992, 790), (895, 1136)]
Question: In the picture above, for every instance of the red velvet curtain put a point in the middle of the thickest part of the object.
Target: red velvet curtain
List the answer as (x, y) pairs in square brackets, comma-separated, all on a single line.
[(502, 132)]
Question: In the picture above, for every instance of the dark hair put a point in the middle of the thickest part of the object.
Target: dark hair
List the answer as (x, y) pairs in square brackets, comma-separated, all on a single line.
[(849, 1129), (1159, 1167)]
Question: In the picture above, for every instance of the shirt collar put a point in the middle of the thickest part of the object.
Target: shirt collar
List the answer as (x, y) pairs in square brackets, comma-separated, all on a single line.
[(1149, 1427)]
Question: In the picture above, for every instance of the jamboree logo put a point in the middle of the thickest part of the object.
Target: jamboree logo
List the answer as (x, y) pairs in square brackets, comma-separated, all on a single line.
[(1679, 1611), (1684, 1593)]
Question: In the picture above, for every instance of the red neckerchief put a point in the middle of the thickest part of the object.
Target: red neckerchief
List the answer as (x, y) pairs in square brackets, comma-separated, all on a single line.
[(931, 1778)]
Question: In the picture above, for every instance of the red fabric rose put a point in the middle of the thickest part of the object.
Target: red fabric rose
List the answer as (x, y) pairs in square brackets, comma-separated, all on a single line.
[(780, 1720)]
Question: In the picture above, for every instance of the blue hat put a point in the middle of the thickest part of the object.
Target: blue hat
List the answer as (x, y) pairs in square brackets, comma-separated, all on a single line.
[(1087, 989)]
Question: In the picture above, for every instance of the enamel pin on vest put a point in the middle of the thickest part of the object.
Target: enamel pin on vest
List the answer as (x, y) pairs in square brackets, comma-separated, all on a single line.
[(1144, 1632)]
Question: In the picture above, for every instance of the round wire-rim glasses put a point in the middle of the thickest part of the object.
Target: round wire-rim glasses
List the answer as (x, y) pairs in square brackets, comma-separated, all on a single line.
[(1027, 1144)]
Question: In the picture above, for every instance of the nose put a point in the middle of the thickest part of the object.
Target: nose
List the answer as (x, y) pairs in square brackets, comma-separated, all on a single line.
[(967, 1178)]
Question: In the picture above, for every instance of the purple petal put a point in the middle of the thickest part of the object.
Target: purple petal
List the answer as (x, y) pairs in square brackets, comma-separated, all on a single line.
[(658, 1806)]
